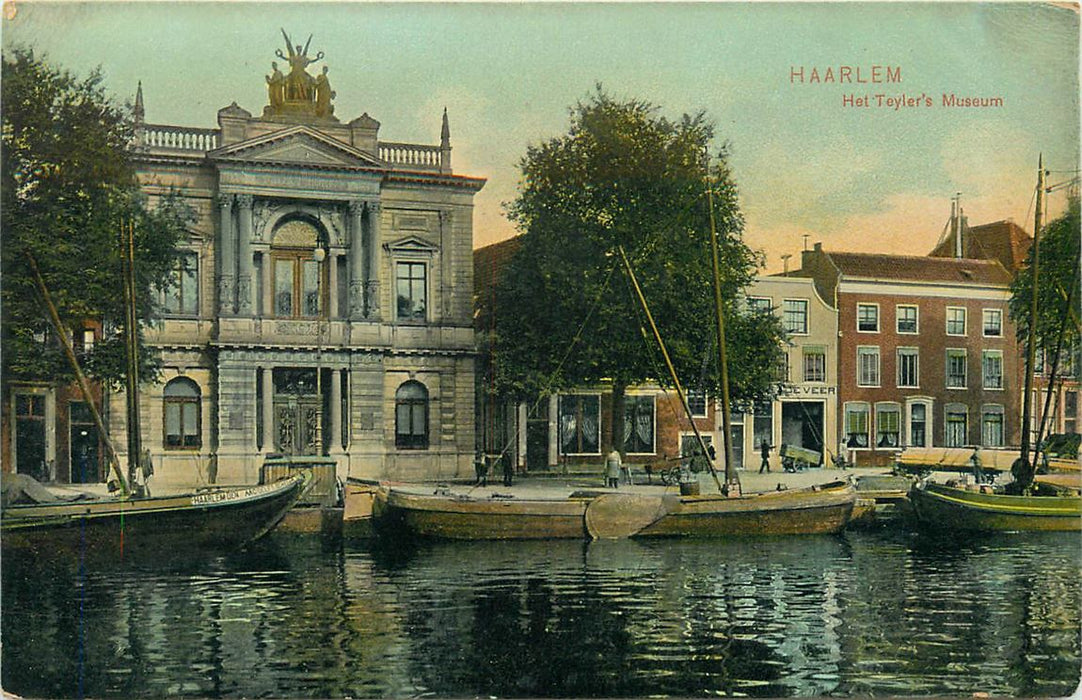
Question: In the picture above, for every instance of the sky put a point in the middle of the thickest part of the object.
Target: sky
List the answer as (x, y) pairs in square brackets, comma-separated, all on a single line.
[(859, 174)]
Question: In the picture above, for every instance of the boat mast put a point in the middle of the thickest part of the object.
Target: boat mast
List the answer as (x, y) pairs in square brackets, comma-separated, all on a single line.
[(1026, 472), (723, 365), (84, 385), (131, 334), (668, 363)]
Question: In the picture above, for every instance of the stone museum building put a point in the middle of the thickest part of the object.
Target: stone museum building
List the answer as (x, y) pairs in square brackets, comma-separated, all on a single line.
[(322, 305)]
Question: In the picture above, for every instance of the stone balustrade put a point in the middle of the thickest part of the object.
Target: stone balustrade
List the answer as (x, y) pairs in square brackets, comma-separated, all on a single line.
[(411, 155), (179, 138)]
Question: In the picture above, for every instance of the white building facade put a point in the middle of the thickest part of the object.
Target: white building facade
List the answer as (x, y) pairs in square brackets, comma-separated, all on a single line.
[(323, 304), (805, 412)]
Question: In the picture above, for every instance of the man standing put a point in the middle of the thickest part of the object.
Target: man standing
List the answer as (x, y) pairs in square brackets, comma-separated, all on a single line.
[(480, 467), (975, 461), (612, 469), (764, 450), (508, 467)]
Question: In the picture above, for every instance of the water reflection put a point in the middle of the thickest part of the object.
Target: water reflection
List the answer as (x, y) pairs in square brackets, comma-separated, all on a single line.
[(865, 614)]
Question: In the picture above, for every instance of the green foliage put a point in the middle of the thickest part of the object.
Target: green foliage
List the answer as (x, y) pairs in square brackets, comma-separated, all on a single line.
[(1057, 276), (67, 184), (625, 176)]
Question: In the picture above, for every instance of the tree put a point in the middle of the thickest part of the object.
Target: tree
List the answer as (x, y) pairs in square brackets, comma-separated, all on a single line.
[(67, 185), (1057, 278), (625, 176)]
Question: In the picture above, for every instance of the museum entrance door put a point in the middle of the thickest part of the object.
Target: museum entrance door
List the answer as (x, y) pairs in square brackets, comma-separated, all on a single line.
[(298, 415)]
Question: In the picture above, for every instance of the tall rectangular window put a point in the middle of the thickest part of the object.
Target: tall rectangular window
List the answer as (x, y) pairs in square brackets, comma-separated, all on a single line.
[(992, 426), (856, 425), (815, 364), (906, 316), (956, 418), (992, 369), (956, 320), (784, 373), (908, 368), (993, 323), (868, 318), (888, 421), (580, 423), (639, 424), (867, 366), (697, 402), (760, 305), (298, 289), (956, 369), (918, 425), (1070, 411), (410, 289), (180, 296), (795, 316), (763, 424)]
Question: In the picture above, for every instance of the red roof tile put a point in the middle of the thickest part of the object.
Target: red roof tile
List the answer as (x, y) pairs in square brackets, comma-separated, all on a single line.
[(489, 261), (920, 269), (1004, 241)]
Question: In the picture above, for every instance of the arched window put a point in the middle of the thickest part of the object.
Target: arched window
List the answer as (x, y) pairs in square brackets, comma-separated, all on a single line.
[(411, 416), (298, 270), (182, 414)]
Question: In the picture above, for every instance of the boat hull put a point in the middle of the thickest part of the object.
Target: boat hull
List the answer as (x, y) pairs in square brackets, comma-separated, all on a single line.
[(812, 511), (945, 509), (610, 515), (160, 528), (464, 518)]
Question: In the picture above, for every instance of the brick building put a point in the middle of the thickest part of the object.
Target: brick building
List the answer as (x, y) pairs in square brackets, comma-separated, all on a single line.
[(926, 352), (1008, 243)]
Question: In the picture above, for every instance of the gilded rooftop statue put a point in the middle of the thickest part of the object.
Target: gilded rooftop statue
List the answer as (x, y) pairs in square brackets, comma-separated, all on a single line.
[(297, 96)]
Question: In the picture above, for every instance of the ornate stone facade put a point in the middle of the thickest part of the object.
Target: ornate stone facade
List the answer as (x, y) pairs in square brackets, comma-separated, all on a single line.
[(339, 270)]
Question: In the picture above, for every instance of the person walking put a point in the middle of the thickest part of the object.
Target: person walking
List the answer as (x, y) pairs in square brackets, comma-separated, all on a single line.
[(764, 450), (613, 464)]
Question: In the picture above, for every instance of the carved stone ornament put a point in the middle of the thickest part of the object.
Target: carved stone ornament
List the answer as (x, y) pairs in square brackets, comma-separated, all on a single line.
[(331, 218)]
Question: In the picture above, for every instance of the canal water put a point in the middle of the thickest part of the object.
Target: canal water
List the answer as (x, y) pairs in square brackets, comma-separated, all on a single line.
[(868, 614)]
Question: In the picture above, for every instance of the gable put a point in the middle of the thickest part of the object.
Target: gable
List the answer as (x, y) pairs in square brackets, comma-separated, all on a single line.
[(297, 146), (411, 244)]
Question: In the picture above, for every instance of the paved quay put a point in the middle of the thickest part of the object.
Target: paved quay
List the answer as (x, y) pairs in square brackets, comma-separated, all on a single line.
[(552, 484)]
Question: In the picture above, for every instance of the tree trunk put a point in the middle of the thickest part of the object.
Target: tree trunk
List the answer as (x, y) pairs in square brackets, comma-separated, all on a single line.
[(617, 432)]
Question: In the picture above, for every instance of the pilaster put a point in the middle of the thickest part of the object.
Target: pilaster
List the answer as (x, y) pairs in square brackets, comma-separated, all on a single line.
[(227, 243), (356, 260), (245, 303), (375, 260)]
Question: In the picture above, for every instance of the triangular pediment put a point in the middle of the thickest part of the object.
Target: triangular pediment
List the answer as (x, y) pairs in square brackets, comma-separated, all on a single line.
[(298, 145), (411, 244)]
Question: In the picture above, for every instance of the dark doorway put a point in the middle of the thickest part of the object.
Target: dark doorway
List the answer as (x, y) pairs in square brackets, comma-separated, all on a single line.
[(84, 445), (537, 435), (802, 424), (30, 436)]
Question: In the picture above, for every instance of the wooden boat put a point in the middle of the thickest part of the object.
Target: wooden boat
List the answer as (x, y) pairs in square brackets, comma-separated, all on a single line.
[(211, 520), (446, 515), (945, 509), (815, 510), (597, 514)]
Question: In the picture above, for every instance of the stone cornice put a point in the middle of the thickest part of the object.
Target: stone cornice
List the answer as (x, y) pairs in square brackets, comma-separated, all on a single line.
[(419, 177)]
